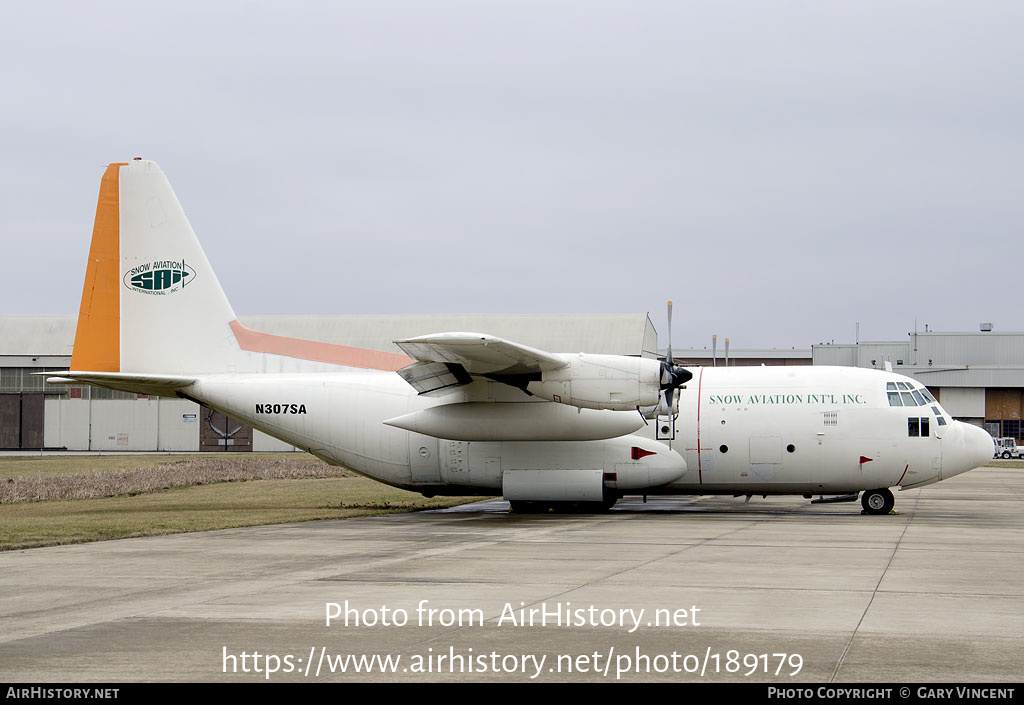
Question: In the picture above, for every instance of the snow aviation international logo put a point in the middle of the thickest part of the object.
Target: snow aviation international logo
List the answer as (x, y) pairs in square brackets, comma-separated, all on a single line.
[(159, 277)]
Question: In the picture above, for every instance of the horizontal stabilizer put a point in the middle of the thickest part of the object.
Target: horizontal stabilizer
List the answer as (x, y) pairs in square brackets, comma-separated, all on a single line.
[(156, 385)]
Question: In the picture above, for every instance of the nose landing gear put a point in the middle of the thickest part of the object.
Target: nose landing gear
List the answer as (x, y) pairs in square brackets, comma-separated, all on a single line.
[(877, 501)]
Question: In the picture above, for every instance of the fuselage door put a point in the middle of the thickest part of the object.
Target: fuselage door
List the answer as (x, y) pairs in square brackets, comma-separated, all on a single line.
[(765, 449), (765, 456)]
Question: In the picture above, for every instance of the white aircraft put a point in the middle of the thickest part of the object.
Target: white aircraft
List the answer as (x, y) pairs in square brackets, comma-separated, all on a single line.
[(471, 414)]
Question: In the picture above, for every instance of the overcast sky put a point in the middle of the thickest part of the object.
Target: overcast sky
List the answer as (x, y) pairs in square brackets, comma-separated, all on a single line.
[(781, 170)]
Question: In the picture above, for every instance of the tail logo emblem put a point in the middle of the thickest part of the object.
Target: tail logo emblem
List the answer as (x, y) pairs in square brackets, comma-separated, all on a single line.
[(159, 277)]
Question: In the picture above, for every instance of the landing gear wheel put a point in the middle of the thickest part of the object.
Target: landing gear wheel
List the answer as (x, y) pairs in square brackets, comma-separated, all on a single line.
[(877, 501)]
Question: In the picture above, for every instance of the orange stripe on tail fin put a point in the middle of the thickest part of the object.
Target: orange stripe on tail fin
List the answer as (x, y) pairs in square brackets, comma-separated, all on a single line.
[(98, 336)]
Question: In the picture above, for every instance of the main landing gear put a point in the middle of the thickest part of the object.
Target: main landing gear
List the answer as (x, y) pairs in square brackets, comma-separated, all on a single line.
[(877, 501)]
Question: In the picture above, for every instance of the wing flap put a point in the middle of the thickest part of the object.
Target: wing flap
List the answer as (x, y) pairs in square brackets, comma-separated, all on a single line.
[(427, 377)]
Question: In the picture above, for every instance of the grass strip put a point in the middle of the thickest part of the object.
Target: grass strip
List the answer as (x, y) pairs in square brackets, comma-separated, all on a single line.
[(13, 467), (182, 472), (202, 508)]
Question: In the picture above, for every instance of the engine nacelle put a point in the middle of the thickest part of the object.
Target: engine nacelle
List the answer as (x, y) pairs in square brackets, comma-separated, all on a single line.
[(614, 382)]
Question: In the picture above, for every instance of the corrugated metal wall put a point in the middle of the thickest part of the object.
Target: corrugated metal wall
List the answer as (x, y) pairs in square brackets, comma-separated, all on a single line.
[(893, 352), (834, 355), (1003, 349), (861, 355)]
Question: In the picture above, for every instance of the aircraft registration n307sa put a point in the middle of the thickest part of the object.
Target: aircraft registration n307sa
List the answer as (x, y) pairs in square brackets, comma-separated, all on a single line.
[(469, 413)]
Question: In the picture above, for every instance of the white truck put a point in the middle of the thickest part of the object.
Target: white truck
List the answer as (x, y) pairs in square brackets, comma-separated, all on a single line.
[(1007, 448)]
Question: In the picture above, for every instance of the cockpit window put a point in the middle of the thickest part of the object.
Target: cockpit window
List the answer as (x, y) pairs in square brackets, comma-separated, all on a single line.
[(907, 394), (939, 418)]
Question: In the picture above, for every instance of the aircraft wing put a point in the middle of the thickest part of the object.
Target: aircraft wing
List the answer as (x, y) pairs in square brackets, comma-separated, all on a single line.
[(451, 359), (607, 388), (481, 354)]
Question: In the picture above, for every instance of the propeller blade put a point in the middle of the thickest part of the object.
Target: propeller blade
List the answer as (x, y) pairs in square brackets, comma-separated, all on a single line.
[(672, 375), (669, 356)]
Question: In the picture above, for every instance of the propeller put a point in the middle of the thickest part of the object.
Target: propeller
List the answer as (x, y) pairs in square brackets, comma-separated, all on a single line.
[(672, 375)]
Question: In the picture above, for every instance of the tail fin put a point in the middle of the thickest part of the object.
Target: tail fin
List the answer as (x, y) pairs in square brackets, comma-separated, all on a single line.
[(151, 302), (153, 310)]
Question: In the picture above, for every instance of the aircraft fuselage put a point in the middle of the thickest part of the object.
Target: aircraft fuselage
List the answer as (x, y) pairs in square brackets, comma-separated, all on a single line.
[(755, 430)]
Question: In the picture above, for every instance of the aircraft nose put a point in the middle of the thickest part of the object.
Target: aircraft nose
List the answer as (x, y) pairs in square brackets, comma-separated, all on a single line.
[(974, 450)]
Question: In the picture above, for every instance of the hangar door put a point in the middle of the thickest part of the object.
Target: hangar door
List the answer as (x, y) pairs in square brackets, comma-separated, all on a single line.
[(21, 421), (219, 432)]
